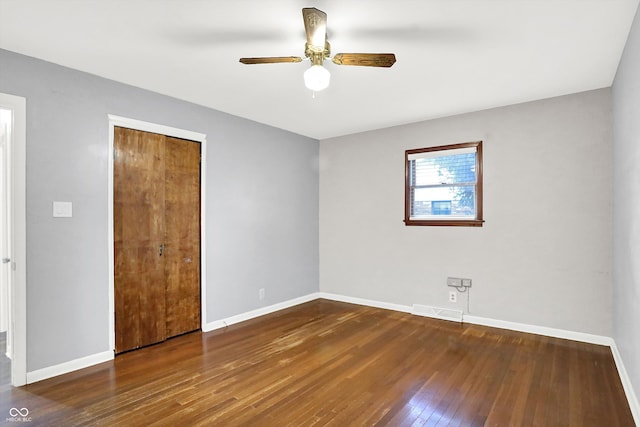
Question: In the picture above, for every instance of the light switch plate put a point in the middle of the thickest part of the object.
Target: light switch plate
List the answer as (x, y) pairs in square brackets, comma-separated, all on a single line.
[(62, 209)]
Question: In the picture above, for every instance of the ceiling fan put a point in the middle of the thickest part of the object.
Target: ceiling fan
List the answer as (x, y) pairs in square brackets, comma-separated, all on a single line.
[(317, 48)]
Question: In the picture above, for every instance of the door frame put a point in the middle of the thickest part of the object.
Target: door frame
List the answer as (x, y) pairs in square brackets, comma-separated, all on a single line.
[(18, 241), (177, 133)]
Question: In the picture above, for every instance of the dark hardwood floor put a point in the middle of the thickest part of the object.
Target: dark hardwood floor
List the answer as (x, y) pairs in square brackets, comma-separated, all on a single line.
[(330, 363)]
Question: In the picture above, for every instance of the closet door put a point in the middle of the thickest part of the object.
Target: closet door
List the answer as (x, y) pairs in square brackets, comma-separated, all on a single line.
[(156, 237), (139, 230), (182, 235)]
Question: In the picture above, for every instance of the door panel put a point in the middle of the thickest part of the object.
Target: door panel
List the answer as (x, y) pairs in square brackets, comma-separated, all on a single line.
[(138, 233), (182, 235), (152, 296), (126, 300)]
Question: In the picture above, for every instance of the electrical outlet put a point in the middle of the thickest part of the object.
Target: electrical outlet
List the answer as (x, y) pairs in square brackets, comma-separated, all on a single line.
[(261, 293), (453, 296)]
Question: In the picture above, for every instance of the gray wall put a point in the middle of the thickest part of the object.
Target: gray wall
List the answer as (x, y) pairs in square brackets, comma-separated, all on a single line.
[(543, 256), (626, 206), (261, 205)]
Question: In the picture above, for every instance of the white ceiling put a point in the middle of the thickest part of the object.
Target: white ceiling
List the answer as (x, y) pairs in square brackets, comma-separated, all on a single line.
[(453, 56)]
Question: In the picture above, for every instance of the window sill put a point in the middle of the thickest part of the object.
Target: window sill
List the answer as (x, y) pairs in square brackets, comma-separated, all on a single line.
[(445, 222)]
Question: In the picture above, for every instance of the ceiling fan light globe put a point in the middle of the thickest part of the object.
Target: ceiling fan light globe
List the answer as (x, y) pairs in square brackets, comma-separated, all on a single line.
[(317, 78)]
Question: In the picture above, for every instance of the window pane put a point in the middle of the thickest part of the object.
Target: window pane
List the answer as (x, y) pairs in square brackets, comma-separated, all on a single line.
[(445, 201), (443, 185), (459, 168)]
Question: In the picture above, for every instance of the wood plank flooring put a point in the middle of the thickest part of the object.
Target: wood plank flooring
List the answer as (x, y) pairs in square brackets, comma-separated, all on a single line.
[(330, 363)]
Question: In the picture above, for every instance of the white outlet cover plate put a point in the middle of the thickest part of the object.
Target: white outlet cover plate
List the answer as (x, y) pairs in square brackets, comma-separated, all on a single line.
[(452, 296)]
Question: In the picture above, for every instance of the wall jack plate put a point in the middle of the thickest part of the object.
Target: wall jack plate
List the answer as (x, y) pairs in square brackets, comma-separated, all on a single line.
[(456, 282)]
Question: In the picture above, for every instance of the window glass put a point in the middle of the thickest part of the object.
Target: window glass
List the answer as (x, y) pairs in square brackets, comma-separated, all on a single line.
[(444, 183)]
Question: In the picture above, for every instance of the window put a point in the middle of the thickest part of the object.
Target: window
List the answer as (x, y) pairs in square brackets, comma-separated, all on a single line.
[(443, 185)]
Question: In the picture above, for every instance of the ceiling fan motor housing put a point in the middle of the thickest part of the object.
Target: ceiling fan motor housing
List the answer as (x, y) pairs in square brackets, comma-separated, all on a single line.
[(316, 56)]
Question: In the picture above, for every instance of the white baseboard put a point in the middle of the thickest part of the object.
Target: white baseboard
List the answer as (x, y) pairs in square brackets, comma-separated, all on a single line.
[(634, 403), (502, 324), (365, 302), (539, 330), (222, 323), (66, 367)]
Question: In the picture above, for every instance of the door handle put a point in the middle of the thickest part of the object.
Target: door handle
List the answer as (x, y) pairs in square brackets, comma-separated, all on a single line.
[(161, 249), (6, 260)]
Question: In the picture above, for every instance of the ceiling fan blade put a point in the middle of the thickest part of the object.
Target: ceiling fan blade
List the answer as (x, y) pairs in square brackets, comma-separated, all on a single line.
[(270, 60), (365, 59), (315, 25)]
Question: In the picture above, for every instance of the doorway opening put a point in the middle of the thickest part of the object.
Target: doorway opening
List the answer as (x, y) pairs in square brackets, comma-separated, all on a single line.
[(12, 241)]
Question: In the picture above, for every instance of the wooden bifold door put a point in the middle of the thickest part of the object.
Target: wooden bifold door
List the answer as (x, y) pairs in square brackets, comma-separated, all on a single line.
[(156, 237)]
